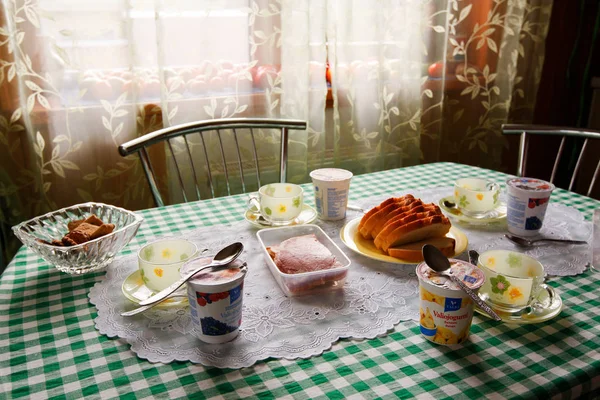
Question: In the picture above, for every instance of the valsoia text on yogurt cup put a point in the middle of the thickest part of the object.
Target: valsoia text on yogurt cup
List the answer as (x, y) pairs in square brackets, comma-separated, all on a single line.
[(446, 311), (216, 300)]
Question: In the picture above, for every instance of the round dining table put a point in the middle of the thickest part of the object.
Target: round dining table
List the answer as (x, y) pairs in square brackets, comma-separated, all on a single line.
[(50, 347)]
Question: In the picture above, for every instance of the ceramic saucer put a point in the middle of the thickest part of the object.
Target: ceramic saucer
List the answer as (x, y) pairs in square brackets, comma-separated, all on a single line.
[(498, 214), (135, 290), (307, 215), (550, 305)]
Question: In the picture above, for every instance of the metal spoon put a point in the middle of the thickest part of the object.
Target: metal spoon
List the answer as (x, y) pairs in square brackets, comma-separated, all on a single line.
[(473, 257), (528, 242), (141, 309), (438, 262), (449, 204), (223, 257), (356, 208)]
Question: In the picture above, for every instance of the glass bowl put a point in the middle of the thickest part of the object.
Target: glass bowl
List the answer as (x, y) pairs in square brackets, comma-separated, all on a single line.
[(85, 257)]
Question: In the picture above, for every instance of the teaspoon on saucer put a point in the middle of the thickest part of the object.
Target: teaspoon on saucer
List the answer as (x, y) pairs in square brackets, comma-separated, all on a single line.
[(141, 309)]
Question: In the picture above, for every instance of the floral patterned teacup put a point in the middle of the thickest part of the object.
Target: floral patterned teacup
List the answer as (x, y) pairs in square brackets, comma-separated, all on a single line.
[(513, 281), (160, 261), (475, 197), (279, 203)]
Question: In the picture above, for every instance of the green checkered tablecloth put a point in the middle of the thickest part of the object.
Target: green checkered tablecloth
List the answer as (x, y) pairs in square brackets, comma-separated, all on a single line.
[(49, 347)]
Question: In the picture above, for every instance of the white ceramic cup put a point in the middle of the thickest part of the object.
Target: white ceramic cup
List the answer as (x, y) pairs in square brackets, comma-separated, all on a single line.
[(475, 197), (215, 299), (527, 201), (331, 186), (513, 280), (160, 261), (278, 203)]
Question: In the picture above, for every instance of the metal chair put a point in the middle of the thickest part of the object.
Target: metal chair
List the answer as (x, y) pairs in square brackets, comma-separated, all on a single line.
[(140, 145), (526, 130)]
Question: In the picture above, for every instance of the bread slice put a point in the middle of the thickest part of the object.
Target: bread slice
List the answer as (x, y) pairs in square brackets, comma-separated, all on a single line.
[(373, 210), (390, 227), (433, 226), (398, 214), (412, 252), (382, 215)]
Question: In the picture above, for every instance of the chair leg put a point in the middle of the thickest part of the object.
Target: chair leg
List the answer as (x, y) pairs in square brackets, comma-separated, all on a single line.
[(522, 153), (284, 155)]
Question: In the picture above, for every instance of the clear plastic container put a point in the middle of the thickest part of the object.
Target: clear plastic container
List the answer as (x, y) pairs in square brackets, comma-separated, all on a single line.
[(306, 282)]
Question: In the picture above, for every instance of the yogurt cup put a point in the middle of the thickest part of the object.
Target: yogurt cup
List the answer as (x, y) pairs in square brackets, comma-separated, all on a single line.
[(446, 311), (331, 187), (527, 201), (215, 299)]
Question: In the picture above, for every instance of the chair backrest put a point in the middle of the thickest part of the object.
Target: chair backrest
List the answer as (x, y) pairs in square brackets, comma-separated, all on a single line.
[(525, 130), (140, 145)]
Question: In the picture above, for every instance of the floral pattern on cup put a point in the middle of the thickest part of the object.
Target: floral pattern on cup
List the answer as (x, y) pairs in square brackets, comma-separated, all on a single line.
[(514, 260), (500, 284)]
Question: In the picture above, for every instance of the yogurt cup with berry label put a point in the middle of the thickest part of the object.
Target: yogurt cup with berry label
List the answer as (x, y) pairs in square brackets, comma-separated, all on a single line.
[(527, 201), (446, 311), (215, 299)]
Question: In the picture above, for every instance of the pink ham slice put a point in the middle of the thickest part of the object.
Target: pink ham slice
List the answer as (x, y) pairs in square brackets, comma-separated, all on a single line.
[(303, 254)]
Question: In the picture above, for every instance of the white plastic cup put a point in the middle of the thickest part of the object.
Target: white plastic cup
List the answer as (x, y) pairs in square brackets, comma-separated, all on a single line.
[(331, 186), (215, 299), (446, 311), (527, 201)]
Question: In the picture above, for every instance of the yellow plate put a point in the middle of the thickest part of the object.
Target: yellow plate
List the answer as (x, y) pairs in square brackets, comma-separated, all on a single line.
[(135, 290), (355, 242)]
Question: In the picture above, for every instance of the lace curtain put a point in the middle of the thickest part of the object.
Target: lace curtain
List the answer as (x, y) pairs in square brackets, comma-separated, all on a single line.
[(382, 84)]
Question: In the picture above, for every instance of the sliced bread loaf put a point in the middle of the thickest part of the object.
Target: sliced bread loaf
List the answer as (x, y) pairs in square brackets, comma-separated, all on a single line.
[(383, 215), (398, 222), (413, 208), (373, 210), (412, 252), (420, 229)]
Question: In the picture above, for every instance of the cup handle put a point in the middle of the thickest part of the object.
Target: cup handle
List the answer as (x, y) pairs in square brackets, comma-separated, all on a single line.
[(495, 187), (253, 204), (536, 304)]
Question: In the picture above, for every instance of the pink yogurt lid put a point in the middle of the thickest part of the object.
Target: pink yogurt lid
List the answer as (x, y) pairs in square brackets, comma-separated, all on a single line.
[(472, 276), (331, 174), (212, 277), (535, 185)]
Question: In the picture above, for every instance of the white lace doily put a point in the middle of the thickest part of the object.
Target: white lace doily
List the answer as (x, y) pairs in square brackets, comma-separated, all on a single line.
[(375, 298), (560, 222)]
